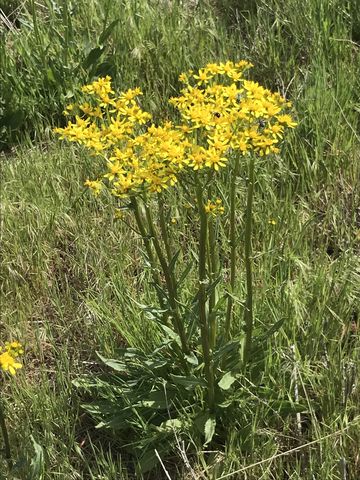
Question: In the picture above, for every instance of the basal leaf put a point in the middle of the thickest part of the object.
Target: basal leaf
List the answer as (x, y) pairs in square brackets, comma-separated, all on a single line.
[(112, 363), (36, 467), (188, 381)]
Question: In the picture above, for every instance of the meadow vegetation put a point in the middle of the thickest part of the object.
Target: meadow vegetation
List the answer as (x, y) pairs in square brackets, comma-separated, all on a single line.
[(74, 278)]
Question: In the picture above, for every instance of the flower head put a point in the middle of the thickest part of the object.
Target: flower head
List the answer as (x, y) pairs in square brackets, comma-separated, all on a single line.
[(220, 112), (8, 357)]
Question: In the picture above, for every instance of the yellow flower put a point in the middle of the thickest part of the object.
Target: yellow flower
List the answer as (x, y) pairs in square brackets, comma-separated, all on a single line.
[(8, 363), (287, 120), (119, 214), (114, 170), (183, 78), (8, 355), (214, 159), (218, 109), (95, 185), (214, 208), (203, 77)]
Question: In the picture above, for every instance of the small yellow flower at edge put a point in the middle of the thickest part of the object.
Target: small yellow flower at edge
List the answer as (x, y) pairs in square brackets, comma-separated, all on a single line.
[(8, 355)]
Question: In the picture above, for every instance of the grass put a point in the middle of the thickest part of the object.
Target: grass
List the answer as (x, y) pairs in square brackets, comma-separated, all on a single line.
[(70, 269)]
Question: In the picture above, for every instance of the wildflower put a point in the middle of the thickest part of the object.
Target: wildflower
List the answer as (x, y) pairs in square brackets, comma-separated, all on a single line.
[(8, 356), (68, 109), (95, 185), (220, 112), (214, 208), (114, 169), (287, 120), (214, 159), (203, 77), (119, 214)]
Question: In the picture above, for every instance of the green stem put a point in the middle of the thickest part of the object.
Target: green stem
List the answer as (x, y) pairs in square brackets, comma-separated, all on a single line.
[(248, 314), (170, 282), (204, 328), (164, 232), (5, 435), (232, 239), (214, 271), (146, 239)]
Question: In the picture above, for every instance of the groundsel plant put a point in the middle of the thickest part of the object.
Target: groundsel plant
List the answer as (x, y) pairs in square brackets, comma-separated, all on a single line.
[(223, 121)]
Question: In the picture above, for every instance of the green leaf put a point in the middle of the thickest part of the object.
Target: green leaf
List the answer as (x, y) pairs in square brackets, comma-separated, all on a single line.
[(229, 349), (188, 382), (13, 119), (151, 312), (209, 429), (211, 287), (286, 407), (185, 273), (107, 32), (112, 363), (192, 359), (227, 380), (217, 308), (174, 260), (172, 424), (93, 57), (149, 460), (273, 329), (36, 468), (50, 75), (170, 334)]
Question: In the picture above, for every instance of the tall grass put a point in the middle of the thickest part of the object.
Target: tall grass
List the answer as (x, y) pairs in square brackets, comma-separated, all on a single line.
[(71, 273), (60, 45)]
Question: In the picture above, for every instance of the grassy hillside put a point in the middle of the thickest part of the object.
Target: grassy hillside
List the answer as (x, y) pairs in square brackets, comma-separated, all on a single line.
[(73, 274)]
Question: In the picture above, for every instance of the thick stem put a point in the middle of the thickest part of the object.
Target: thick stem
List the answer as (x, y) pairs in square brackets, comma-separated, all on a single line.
[(164, 232), (214, 271), (170, 282), (248, 314), (146, 239), (232, 239), (204, 327), (5, 435)]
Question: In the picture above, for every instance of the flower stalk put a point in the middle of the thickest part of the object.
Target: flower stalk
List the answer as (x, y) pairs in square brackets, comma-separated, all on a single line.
[(163, 228), (233, 242), (248, 313), (214, 271), (146, 239), (170, 281), (202, 298)]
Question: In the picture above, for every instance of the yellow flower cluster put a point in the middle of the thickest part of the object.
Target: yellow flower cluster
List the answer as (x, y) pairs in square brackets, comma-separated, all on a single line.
[(221, 112), (230, 113), (214, 208), (8, 357)]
